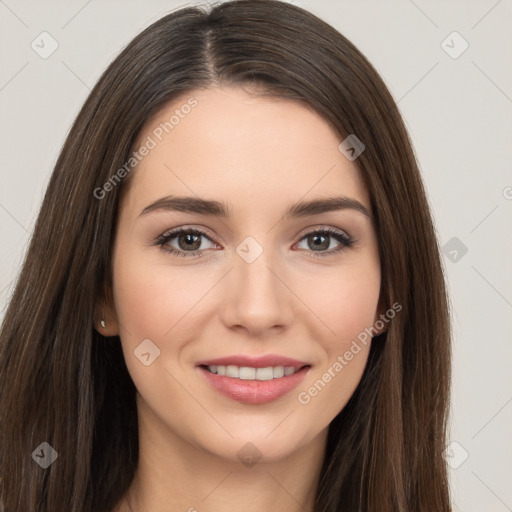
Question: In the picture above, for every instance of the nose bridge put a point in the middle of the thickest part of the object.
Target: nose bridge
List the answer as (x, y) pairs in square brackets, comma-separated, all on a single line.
[(256, 298)]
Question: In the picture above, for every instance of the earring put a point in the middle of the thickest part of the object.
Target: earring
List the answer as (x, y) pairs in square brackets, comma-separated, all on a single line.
[(103, 323)]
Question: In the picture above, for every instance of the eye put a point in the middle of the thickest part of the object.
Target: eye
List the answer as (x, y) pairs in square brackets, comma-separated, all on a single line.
[(185, 242), (320, 240), (188, 242)]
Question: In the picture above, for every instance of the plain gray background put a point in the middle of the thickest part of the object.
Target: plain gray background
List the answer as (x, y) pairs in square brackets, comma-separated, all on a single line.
[(458, 111)]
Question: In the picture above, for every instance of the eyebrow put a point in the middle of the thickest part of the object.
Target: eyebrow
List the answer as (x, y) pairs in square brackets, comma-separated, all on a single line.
[(218, 209)]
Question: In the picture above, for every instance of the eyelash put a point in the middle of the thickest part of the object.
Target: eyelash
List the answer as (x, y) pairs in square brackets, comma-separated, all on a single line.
[(344, 240)]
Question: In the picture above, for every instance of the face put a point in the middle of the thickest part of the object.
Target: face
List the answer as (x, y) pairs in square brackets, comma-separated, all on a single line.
[(211, 300)]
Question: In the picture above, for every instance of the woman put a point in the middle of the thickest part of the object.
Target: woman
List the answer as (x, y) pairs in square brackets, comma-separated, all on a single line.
[(298, 357)]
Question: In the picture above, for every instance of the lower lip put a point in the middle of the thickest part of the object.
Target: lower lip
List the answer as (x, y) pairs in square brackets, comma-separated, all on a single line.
[(254, 391)]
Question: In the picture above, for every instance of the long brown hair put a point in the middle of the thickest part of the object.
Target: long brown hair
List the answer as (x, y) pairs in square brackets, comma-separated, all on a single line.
[(62, 383)]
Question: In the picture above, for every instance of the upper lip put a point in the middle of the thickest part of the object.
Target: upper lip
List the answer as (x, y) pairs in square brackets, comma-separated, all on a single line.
[(254, 362)]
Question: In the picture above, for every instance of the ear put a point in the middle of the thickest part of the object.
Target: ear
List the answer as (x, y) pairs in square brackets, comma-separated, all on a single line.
[(104, 310)]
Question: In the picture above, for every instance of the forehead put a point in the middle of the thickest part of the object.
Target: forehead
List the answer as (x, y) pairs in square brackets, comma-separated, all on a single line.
[(227, 143)]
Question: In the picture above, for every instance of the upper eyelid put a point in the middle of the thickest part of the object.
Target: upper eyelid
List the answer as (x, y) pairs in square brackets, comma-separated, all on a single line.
[(325, 228)]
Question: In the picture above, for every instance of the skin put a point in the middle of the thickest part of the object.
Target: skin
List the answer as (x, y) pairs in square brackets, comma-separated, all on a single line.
[(258, 156)]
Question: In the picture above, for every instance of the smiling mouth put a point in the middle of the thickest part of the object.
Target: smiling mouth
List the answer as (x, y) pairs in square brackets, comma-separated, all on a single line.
[(252, 373), (253, 385)]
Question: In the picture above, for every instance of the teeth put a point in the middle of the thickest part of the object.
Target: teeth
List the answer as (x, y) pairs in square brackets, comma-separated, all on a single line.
[(279, 372), (266, 373), (248, 373), (232, 371)]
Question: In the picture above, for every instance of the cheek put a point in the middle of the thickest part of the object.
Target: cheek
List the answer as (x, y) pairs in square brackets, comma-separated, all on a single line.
[(347, 302), (151, 299), (347, 305), (153, 302)]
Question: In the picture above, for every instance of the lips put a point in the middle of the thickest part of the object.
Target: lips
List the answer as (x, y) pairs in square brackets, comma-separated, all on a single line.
[(255, 387)]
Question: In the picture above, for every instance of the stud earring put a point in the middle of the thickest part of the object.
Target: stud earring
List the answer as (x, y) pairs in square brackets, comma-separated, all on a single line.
[(103, 323)]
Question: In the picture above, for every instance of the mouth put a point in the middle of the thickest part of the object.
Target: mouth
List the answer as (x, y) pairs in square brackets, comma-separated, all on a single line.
[(253, 380)]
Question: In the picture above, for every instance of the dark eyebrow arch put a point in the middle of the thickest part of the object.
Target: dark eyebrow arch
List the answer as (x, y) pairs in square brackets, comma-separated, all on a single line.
[(218, 209)]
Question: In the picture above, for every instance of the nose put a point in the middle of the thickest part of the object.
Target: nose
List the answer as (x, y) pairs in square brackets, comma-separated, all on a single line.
[(256, 297)]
